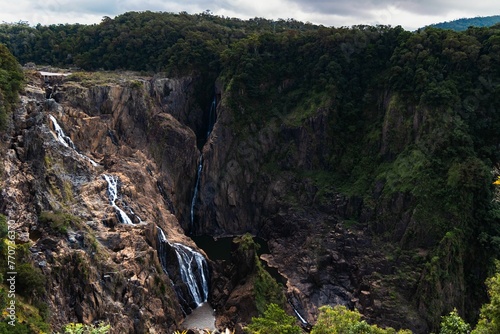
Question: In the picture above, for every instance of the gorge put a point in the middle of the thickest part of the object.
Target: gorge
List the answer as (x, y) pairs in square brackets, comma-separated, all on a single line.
[(362, 159)]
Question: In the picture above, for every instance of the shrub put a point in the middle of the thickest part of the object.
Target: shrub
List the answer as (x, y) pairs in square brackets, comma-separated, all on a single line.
[(274, 321), (454, 324), (30, 280), (77, 328), (58, 221)]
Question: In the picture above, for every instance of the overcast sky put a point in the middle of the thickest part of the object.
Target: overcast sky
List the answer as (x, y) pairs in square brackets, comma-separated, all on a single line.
[(410, 14)]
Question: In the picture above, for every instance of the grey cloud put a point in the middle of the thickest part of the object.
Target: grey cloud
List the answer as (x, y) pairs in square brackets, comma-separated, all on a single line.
[(79, 6), (362, 8)]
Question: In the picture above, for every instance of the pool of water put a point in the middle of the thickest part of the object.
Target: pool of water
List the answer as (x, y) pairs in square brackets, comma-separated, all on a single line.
[(221, 248), (201, 318)]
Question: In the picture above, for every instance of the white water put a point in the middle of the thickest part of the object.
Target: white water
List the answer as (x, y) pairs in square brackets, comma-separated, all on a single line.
[(67, 142), (163, 237), (113, 195), (196, 187), (61, 137), (304, 321), (192, 265)]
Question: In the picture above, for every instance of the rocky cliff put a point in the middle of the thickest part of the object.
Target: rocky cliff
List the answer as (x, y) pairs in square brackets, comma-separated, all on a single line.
[(98, 268), (332, 201)]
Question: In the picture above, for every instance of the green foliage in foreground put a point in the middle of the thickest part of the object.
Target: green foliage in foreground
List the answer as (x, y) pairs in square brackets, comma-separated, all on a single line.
[(274, 321), (454, 324), (340, 320), (489, 318), (337, 320), (77, 328)]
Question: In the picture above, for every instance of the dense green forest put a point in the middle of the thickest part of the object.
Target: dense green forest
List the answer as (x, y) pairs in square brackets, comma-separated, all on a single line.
[(137, 41), (414, 111), (465, 23), (11, 80)]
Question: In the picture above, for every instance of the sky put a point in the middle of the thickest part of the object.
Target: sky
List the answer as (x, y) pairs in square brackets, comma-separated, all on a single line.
[(410, 14)]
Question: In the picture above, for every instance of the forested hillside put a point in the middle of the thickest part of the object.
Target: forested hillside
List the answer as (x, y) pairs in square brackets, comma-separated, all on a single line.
[(464, 24), (11, 80), (387, 137)]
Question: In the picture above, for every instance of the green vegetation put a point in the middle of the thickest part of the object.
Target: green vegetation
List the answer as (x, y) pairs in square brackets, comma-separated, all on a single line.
[(274, 321), (77, 328), (59, 221), (337, 320), (489, 319), (465, 23), (406, 123), (266, 289), (31, 312), (11, 81), (340, 320), (454, 324)]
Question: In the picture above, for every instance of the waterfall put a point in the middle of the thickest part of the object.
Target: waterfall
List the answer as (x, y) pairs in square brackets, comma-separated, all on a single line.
[(61, 137), (67, 142), (134, 215), (212, 118), (113, 195), (192, 266), (194, 272), (162, 251), (196, 189), (305, 323)]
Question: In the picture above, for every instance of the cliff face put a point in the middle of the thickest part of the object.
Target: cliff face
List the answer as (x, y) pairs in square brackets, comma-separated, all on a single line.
[(339, 208), (96, 267), (357, 236)]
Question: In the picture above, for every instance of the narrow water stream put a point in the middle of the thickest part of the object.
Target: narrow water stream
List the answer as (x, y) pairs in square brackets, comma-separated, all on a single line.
[(212, 118)]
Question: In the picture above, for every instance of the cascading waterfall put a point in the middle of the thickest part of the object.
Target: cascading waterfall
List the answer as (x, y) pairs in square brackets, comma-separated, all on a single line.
[(194, 272), (61, 136), (132, 212), (67, 142), (212, 118), (193, 268), (113, 195)]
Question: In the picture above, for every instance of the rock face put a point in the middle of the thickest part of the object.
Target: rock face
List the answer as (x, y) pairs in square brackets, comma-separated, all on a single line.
[(97, 267), (367, 253), (145, 133)]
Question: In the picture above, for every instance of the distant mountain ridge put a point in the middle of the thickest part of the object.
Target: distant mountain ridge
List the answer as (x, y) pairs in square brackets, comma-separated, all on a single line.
[(464, 23)]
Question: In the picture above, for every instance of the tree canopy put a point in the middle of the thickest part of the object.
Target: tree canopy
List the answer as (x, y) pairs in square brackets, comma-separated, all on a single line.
[(11, 81)]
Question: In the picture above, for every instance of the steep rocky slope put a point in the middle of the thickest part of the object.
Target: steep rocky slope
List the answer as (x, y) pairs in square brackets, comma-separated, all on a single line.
[(98, 268)]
